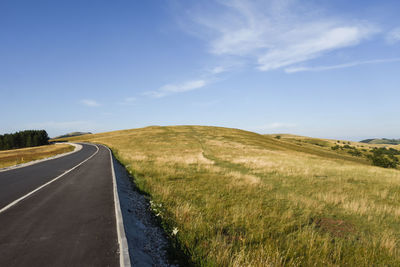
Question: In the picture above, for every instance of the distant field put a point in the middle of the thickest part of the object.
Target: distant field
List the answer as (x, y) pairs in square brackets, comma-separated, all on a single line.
[(238, 198), (23, 155)]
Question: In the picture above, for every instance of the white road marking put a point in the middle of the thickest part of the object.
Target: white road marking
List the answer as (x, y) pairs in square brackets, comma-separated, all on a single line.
[(124, 259), (46, 184)]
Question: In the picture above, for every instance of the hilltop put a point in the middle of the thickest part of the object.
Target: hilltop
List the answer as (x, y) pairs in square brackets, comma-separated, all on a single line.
[(72, 134), (382, 141), (228, 197)]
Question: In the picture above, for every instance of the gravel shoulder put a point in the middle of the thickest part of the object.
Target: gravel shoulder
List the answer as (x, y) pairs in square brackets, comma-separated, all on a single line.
[(147, 241)]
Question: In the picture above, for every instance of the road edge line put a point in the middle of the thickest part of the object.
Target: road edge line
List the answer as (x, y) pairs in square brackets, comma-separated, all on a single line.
[(46, 184), (124, 258)]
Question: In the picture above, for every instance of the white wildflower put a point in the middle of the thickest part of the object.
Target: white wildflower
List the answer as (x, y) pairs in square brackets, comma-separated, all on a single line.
[(175, 231)]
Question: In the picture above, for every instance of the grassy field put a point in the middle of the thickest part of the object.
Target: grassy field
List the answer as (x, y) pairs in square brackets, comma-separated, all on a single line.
[(234, 198), (23, 155)]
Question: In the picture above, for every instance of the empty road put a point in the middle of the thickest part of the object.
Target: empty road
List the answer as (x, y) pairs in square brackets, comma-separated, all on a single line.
[(70, 221)]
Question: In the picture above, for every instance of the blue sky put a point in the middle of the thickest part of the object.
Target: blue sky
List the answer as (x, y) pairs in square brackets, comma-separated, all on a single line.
[(318, 68)]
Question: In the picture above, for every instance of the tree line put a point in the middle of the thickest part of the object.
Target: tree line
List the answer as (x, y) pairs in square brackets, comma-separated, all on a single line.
[(22, 139)]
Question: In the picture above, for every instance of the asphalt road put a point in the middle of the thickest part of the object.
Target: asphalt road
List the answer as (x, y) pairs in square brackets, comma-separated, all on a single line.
[(69, 222)]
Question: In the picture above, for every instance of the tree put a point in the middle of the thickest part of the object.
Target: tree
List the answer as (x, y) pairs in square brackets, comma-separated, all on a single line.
[(28, 141), (24, 139)]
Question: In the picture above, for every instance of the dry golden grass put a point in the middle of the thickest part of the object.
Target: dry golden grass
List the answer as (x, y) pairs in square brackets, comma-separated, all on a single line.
[(23, 155), (243, 199)]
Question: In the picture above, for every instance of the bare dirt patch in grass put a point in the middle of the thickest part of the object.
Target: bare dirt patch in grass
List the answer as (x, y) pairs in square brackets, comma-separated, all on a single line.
[(335, 227)]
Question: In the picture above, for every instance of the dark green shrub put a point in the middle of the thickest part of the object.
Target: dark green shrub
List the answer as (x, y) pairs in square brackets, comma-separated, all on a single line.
[(385, 158), (355, 152)]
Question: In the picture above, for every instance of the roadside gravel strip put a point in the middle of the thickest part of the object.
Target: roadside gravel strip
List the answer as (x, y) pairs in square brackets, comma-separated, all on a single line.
[(76, 149), (146, 239)]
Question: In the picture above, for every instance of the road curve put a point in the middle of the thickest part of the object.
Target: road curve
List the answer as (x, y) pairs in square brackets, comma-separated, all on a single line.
[(69, 222)]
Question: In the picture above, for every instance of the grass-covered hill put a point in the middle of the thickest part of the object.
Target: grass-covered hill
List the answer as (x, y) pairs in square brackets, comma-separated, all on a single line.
[(382, 141), (238, 198)]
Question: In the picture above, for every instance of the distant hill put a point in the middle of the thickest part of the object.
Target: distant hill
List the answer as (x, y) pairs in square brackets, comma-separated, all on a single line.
[(382, 141), (72, 134)]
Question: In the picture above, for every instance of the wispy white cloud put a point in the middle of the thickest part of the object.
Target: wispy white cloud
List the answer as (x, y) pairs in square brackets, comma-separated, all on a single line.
[(169, 89), (393, 36), (267, 34), (218, 70), (128, 101), (341, 66), (278, 33), (90, 103), (207, 76), (305, 50)]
